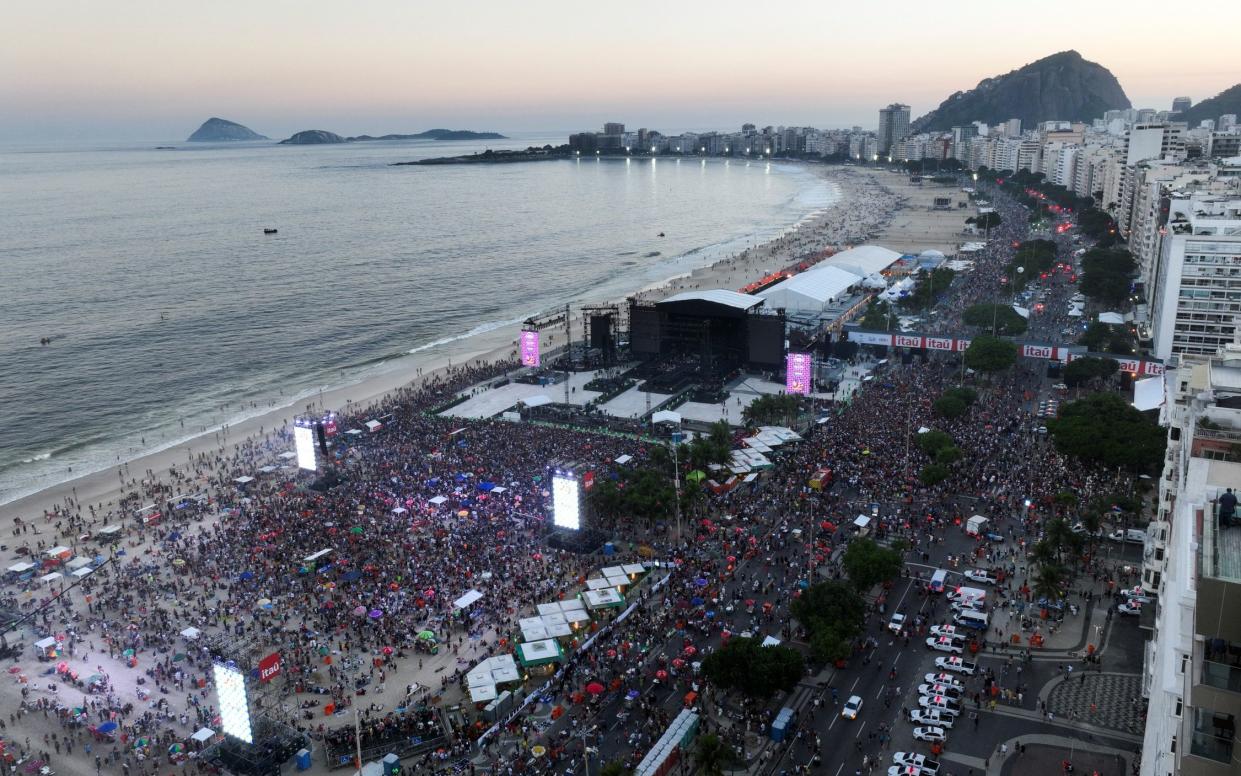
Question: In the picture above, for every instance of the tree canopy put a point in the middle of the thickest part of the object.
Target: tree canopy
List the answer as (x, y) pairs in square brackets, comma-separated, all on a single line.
[(833, 613), (643, 492), (934, 473), (1107, 275), (990, 354), (879, 316), (867, 564), (933, 441), (928, 286), (1105, 429), (1005, 320), (755, 670), (772, 409), (1082, 370)]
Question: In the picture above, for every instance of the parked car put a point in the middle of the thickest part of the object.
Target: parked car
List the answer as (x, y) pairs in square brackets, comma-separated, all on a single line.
[(956, 665), (896, 623), (907, 770), (932, 734), (971, 604), (948, 691), (945, 630), (932, 718), (942, 678), (980, 575), (1130, 607), (852, 708), (1134, 535), (924, 766), (946, 644), (940, 703)]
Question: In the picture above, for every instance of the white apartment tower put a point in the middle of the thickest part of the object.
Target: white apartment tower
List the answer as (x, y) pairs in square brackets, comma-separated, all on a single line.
[(893, 126)]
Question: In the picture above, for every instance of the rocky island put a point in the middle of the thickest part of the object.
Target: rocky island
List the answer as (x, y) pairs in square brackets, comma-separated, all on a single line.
[(436, 134), (215, 130), (313, 137), (531, 154)]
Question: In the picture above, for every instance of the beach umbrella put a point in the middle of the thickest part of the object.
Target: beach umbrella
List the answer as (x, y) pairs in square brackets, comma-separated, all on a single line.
[(107, 727), (174, 749), (264, 603), (128, 653), (661, 674), (678, 663), (696, 475), (696, 601), (179, 562), (632, 695), (426, 635), (177, 658), (246, 576), (375, 614), (357, 529), (701, 581), (689, 650), (358, 611), (594, 688)]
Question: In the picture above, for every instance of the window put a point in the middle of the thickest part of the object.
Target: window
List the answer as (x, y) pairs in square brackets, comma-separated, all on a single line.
[(1184, 663), (1180, 705)]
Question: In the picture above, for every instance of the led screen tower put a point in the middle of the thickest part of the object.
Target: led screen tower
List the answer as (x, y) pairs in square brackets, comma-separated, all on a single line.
[(230, 688), (529, 348), (566, 501), (304, 443), (798, 373)]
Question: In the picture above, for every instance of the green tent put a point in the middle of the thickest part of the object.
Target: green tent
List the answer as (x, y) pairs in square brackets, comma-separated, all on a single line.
[(697, 475)]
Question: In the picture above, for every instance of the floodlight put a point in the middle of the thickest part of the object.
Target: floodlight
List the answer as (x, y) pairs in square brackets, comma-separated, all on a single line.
[(230, 688), (566, 507)]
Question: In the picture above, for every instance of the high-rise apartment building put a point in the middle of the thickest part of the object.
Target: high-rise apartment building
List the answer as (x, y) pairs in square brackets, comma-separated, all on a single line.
[(1196, 297), (1012, 128), (613, 128), (1182, 104), (1192, 676), (893, 126)]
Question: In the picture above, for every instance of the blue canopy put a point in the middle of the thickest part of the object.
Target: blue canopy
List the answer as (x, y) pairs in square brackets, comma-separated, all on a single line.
[(107, 727), (246, 576), (486, 487)]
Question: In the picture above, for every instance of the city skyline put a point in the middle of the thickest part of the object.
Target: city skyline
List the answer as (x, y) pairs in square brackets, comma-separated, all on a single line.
[(156, 71)]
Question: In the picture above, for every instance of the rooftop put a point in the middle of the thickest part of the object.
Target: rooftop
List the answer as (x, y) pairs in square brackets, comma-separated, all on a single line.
[(717, 296), (1220, 550)]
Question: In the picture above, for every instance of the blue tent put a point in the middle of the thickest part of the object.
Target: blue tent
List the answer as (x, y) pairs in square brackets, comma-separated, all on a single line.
[(486, 487)]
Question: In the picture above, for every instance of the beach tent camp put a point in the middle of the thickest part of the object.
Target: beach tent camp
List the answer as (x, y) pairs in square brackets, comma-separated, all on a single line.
[(604, 599), (437, 500), (483, 678), (467, 599), (537, 653)]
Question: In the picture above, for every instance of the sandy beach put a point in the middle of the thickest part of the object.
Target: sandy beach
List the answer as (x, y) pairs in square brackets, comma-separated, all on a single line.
[(875, 207)]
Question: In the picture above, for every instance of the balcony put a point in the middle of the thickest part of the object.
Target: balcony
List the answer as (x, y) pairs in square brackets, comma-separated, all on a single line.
[(1212, 747), (1220, 549), (1221, 676)]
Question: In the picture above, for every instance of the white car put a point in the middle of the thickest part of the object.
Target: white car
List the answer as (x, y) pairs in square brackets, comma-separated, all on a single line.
[(1130, 607), (919, 762), (931, 718), (897, 623), (1135, 535), (904, 770), (956, 665), (980, 575), (1136, 595), (852, 707), (945, 630), (941, 678), (932, 734), (971, 604), (947, 690), (945, 644), (941, 703)]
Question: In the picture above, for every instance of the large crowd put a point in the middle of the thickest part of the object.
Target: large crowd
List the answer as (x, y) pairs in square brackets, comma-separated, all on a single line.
[(417, 520)]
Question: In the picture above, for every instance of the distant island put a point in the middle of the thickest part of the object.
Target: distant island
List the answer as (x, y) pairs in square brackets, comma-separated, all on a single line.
[(313, 137), (435, 134), (215, 130), (531, 154)]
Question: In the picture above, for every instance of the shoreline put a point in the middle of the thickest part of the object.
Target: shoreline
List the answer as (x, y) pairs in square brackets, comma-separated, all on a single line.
[(104, 487)]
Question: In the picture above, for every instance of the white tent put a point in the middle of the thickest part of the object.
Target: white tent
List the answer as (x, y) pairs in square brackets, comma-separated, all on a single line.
[(483, 678), (864, 259), (191, 633), (21, 568), (203, 735), (437, 500), (861, 521), (77, 563), (538, 400), (624, 459), (399, 510), (82, 572), (497, 490), (467, 599), (373, 425), (1115, 319), (243, 480), (1022, 311), (55, 575), (812, 290), (287, 455), (666, 416), (267, 469), (1148, 394)]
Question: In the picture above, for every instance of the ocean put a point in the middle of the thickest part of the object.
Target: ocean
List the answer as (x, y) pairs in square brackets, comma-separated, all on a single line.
[(169, 311)]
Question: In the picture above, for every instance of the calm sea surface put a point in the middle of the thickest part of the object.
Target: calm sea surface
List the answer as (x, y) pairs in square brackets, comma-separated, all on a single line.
[(167, 305)]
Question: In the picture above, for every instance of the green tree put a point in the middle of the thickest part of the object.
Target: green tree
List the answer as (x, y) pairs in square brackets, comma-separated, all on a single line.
[(1105, 429), (880, 316), (1049, 581), (712, 755), (999, 319), (990, 354), (615, 768), (967, 395), (833, 613), (928, 285), (1107, 275), (948, 455), (950, 407), (772, 409), (933, 441), (989, 220), (867, 564), (1082, 370), (753, 669), (933, 474)]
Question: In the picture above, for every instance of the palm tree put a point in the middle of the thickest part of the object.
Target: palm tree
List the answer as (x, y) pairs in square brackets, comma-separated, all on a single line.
[(615, 768), (1047, 582), (712, 755), (1042, 553)]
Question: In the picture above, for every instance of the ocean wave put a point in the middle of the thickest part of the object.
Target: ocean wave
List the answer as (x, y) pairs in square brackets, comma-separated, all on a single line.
[(35, 458), (482, 328)]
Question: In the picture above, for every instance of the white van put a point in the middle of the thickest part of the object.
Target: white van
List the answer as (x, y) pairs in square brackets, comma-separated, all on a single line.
[(969, 618), (963, 593), (938, 580)]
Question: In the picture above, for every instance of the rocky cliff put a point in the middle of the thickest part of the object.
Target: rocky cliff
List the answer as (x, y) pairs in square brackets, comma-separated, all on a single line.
[(313, 137), (1061, 87)]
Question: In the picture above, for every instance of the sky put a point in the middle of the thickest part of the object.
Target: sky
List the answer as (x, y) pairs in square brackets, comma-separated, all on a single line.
[(156, 69)]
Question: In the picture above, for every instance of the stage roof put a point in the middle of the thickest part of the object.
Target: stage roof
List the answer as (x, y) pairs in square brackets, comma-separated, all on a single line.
[(863, 260), (719, 296)]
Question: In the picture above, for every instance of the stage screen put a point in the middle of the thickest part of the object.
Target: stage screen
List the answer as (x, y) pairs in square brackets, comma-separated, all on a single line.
[(304, 441), (529, 348), (566, 503), (766, 335), (601, 332), (230, 687), (798, 373)]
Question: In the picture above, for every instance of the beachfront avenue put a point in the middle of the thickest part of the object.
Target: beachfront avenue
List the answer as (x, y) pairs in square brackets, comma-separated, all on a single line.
[(432, 507)]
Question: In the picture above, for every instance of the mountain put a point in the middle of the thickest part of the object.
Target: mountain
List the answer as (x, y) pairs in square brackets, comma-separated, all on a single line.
[(436, 134), (313, 137), (216, 130), (1227, 101), (1061, 87)]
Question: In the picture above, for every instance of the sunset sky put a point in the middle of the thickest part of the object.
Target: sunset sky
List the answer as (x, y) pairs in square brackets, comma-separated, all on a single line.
[(147, 70)]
